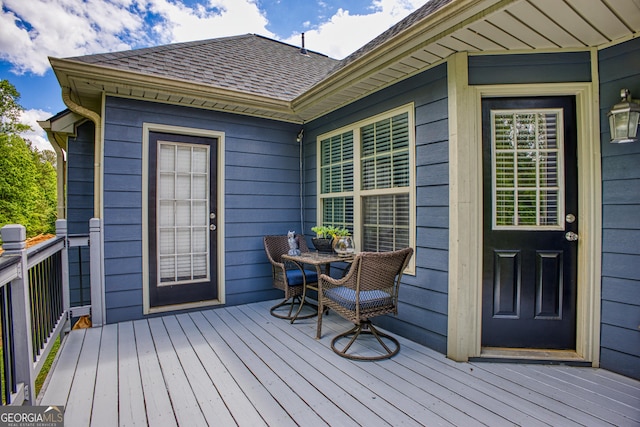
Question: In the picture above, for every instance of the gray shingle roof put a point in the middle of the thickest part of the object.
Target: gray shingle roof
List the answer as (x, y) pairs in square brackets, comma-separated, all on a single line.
[(247, 63)]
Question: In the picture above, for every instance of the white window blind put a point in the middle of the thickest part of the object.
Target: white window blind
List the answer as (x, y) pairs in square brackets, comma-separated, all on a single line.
[(183, 212), (385, 153), (528, 176)]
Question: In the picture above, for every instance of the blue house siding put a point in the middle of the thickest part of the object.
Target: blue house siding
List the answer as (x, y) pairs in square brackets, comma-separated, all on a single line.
[(530, 68), (423, 298), (80, 154), (261, 197), (619, 67)]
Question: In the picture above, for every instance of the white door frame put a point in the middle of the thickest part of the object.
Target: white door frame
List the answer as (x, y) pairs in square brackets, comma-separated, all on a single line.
[(466, 208)]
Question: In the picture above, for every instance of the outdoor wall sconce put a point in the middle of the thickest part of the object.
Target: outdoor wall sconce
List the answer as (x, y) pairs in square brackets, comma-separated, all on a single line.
[(623, 119)]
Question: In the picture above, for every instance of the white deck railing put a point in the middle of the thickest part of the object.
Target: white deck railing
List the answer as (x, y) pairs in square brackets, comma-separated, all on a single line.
[(34, 304)]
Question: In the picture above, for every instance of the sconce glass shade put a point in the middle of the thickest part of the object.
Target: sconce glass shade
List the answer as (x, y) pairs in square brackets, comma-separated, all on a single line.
[(623, 119)]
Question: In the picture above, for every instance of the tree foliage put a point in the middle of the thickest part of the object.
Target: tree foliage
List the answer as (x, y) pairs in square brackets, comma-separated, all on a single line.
[(27, 175), (10, 109)]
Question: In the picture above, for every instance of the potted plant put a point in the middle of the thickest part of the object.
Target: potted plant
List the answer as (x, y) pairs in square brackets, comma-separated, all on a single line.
[(325, 235)]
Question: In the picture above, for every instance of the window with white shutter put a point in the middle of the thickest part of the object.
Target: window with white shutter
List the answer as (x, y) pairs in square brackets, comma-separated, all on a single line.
[(366, 180)]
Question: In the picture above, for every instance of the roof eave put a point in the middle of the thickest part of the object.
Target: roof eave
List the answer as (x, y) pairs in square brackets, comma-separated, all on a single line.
[(89, 81), (436, 25)]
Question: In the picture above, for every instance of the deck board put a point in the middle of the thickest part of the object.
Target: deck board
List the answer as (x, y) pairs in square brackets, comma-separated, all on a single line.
[(59, 385), (239, 406), (341, 402), (241, 366), (266, 405), (354, 378), (131, 406), (157, 401), (80, 400), (105, 397)]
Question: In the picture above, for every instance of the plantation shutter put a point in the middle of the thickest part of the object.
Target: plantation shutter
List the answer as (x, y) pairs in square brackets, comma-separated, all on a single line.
[(527, 161), (385, 165), (336, 172)]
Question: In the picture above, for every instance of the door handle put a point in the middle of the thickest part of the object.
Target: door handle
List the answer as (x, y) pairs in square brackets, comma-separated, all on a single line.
[(571, 236), (212, 227)]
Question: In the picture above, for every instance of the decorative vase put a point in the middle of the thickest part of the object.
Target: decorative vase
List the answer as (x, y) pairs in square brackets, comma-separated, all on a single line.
[(344, 246), (322, 244)]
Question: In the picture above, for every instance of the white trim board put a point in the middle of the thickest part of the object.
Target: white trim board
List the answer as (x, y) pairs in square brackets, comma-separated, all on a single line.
[(466, 209)]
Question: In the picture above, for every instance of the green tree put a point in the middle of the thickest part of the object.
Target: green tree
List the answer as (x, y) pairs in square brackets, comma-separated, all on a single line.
[(18, 187), (27, 175), (10, 109)]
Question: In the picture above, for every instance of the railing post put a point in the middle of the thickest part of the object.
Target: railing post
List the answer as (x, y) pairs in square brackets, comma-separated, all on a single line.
[(97, 291), (61, 231), (14, 244)]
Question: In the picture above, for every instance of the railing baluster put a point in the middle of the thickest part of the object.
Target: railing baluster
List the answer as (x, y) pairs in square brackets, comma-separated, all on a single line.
[(9, 385)]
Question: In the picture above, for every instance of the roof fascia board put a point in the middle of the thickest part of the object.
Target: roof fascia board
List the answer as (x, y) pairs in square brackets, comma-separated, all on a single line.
[(67, 123)]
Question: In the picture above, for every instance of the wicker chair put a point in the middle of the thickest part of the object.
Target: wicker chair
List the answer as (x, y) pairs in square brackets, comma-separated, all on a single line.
[(369, 289), (289, 277)]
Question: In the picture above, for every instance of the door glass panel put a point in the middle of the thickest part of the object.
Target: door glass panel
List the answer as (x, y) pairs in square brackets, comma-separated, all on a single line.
[(527, 153), (183, 219)]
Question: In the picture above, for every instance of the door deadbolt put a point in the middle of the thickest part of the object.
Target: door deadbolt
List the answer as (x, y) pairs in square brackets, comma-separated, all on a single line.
[(571, 236), (212, 216), (570, 218)]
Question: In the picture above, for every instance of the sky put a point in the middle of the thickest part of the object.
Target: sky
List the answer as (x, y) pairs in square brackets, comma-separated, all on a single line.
[(31, 31)]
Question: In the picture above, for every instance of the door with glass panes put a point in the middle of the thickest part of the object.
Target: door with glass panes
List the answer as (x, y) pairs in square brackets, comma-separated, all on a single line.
[(530, 223), (182, 219)]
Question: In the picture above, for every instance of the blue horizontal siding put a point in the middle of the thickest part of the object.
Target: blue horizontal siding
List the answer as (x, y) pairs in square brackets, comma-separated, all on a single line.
[(619, 67), (261, 197), (80, 154), (530, 68)]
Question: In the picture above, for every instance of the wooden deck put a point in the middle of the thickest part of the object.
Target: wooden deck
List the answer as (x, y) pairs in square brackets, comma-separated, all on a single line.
[(241, 366)]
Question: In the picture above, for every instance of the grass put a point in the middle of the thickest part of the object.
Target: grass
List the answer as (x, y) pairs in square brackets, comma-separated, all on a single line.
[(46, 367), (42, 376)]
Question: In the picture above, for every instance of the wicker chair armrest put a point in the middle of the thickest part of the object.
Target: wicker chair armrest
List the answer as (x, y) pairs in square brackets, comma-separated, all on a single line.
[(327, 282), (349, 280), (330, 280)]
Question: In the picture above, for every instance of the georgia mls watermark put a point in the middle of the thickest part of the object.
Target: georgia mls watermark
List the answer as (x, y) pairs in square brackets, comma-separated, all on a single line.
[(32, 416)]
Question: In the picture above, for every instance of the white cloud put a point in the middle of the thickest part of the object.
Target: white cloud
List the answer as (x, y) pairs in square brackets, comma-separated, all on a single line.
[(30, 31), (37, 135), (220, 18)]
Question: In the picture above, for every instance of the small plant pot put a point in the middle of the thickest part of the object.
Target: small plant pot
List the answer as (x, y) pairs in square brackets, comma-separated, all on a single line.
[(322, 245)]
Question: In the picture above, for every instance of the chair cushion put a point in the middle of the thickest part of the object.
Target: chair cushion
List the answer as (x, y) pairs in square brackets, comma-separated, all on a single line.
[(346, 297), (294, 277)]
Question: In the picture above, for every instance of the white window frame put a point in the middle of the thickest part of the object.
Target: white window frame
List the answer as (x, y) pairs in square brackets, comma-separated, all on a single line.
[(358, 194)]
